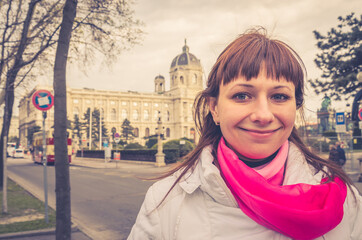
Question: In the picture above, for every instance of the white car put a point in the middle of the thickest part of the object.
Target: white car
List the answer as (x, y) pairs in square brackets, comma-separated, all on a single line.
[(18, 153)]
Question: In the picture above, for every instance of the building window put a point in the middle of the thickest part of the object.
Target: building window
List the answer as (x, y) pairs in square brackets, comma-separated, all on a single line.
[(145, 104), (76, 111), (156, 104), (147, 132), (75, 101), (100, 102), (124, 114), (101, 112), (167, 116), (135, 115), (124, 103), (135, 104), (113, 103), (155, 115), (136, 132), (113, 115), (194, 79), (168, 132), (192, 133), (88, 101), (182, 79), (146, 115)]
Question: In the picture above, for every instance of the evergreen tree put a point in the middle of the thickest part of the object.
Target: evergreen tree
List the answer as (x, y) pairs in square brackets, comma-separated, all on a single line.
[(340, 58), (77, 128), (127, 131), (96, 124)]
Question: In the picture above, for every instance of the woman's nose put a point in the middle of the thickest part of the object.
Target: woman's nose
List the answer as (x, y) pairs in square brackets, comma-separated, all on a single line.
[(262, 112)]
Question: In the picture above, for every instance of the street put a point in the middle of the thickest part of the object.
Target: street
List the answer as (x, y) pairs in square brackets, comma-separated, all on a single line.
[(105, 198), (105, 202)]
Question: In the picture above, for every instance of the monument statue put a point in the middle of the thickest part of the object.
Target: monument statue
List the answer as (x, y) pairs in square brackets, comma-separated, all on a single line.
[(326, 103)]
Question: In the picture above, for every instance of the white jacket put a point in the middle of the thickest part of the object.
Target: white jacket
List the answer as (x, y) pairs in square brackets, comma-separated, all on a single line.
[(201, 207)]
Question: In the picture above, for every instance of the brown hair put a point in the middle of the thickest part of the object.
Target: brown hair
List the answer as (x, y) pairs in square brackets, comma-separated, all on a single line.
[(244, 57)]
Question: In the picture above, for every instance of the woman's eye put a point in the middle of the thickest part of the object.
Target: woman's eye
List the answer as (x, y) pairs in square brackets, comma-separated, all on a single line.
[(280, 97), (241, 96)]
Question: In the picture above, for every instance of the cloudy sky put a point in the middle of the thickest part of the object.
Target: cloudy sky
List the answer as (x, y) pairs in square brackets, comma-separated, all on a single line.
[(208, 26)]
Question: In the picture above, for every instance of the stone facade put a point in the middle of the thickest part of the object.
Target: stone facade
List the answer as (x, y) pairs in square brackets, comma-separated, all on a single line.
[(141, 109)]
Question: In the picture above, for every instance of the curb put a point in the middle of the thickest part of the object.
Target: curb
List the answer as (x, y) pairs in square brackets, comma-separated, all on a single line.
[(32, 233)]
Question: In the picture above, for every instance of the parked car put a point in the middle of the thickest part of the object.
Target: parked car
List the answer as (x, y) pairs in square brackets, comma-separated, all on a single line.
[(18, 153)]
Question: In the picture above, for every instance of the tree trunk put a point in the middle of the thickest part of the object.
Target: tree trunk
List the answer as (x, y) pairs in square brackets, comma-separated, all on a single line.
[(10, 80), (62, 180)]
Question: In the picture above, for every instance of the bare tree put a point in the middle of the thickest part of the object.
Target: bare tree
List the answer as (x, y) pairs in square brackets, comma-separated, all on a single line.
[(28, 33), (62, 181), (23, 41)]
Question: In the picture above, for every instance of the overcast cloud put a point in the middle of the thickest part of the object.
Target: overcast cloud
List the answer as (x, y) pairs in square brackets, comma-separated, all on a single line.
[(208, 26)]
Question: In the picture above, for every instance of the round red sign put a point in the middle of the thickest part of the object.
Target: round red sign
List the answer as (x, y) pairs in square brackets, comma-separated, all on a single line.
[(43, 100)]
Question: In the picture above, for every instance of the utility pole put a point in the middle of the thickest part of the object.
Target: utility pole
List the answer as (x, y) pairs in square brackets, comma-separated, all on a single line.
[(100, 128), (90, 128)]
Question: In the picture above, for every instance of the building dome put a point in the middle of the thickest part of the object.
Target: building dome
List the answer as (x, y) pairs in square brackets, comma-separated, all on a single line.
[(185, 58), (159, 77)]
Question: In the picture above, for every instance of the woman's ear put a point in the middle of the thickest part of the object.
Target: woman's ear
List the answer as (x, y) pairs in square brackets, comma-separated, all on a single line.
[(214, 110)]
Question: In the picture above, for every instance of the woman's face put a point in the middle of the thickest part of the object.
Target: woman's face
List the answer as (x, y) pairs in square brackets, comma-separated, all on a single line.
[(257, 116)]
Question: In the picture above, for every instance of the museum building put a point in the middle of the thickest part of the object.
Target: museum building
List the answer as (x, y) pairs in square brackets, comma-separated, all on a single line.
[(141, 109)]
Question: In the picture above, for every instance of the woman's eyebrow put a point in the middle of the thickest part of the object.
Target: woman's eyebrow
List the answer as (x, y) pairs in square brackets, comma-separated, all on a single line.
[(252, 86)]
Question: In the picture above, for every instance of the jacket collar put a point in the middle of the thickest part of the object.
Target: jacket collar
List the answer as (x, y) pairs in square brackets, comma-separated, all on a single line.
[(206, 176)]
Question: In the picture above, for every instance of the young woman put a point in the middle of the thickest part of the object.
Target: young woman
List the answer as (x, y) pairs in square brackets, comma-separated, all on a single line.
[(251, 176)]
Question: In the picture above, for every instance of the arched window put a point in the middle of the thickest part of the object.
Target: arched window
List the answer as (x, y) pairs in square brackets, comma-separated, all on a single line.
[(113, 115), (167, 132), (192, 133), (135, 115), (146, 115), (194, 79), (124, 114), (182, 79), (113, 131), (147, 132), (136, 132), (168, 116)]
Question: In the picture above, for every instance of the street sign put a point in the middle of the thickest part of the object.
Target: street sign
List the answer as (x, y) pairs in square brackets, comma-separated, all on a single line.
[(43, 100), (117, 138), (340, 122), (360, 124), (360, 114)]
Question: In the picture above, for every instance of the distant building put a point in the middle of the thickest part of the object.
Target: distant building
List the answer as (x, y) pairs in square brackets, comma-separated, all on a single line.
[(141, 109), (14, 125)]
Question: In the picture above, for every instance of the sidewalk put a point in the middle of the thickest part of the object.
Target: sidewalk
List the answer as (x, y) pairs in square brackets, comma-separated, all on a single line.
[(128, 165)]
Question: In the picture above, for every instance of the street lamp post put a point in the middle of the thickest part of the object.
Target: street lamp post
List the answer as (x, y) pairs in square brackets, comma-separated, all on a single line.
[(160, 156)]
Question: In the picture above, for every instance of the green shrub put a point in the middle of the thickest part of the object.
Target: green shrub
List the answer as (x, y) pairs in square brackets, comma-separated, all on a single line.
[(133, 146), (151, 142), (184, 149)]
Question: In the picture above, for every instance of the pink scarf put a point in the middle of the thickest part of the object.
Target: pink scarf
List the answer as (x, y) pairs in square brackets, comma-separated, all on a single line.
[(300, 211)]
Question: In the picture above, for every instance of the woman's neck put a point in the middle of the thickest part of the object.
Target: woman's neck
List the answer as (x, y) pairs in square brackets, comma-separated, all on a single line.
[(253, 162)]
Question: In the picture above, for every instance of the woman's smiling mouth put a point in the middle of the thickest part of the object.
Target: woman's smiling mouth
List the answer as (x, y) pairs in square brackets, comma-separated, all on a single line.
[(260, 133)]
